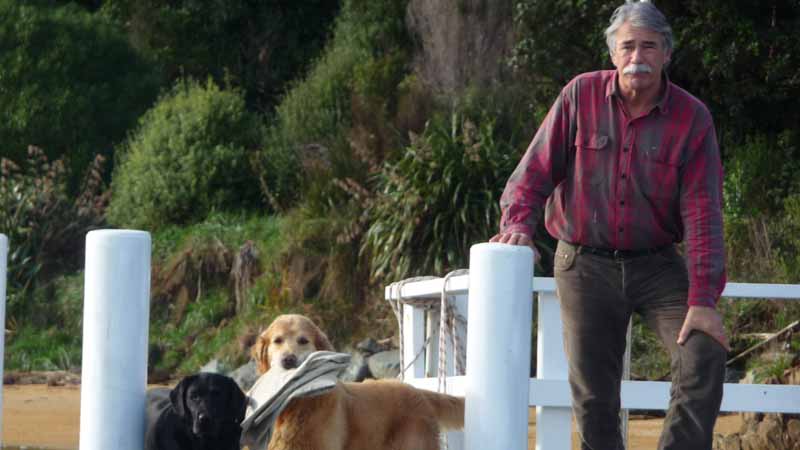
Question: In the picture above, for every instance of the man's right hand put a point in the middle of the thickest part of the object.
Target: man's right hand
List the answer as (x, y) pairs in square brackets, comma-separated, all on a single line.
[(517, 239)]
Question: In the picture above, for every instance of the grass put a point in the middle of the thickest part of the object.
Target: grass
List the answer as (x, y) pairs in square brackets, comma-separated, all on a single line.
[(231, 229), (52, 348)]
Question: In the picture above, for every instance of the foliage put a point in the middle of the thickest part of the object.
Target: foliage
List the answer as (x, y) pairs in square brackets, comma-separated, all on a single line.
[(51, 348), (309, 143), (256, 46), (188, 157), (736, 56), (739, 57), (44, 224), (547, 63), (193, 305), (50, 338), (319, 273), (439, 198), (71, 84)]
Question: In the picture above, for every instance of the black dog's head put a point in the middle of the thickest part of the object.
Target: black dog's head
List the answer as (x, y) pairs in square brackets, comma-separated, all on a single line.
[(209, 403)]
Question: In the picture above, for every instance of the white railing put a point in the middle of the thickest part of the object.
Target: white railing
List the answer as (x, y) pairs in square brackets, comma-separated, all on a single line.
[(549, 391), (115, 331)]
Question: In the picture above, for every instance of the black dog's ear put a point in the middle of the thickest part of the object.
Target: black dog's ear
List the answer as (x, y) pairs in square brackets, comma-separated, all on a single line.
[(178, 396), (238, 401)]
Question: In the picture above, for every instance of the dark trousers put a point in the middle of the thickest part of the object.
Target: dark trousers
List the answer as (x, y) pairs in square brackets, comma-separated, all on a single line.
[(598, 294)]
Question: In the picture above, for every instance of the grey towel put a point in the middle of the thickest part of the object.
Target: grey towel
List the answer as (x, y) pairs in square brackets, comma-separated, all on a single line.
[(273, 391)]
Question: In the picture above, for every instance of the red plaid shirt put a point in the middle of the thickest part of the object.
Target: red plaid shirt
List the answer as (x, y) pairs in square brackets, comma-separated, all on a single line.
[(607, 181)]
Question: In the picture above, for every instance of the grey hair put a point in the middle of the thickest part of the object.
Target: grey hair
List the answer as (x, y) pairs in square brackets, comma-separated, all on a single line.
[(642, 14)]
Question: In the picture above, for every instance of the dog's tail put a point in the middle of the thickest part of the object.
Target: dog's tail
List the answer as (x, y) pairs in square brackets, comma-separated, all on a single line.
[(447, 409)]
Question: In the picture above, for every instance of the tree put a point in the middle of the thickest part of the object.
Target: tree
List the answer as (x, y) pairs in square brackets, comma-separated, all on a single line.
[(69, 83)]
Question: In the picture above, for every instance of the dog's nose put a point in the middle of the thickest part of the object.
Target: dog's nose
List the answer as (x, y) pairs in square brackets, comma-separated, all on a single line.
[(289, 362), (203, 421)]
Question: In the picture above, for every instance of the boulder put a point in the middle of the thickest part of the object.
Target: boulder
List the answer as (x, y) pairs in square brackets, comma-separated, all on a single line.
[(245, 375), (357, 370), (385, 364)]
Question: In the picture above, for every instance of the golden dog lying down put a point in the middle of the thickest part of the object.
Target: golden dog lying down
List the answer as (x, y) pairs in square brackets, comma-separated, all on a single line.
[(374, 415)]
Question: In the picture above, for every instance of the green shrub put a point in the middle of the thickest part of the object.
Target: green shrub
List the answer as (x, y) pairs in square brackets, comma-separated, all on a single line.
[(189, 156), (309, 142), (71, 84)]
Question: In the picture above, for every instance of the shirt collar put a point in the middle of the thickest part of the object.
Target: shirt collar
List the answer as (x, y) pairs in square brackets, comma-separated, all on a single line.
[(612, 89)]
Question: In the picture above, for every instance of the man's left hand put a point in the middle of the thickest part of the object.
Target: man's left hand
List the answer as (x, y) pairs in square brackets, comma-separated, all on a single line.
[(705, 319)]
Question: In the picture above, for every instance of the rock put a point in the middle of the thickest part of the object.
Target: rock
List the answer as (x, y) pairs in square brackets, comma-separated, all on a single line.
[(734, 375), (771, 431), (369, 347), (750, 420), (50, 378), (358, 370), (385, 364), (212, 366), (245, 375), (752, 441), (729, 442), (793, 430)]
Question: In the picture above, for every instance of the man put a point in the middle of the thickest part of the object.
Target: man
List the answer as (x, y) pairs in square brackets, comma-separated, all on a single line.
[(625, 165)]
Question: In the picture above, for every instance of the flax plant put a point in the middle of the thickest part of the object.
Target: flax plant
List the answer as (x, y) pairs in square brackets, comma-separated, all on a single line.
[(440, 197)]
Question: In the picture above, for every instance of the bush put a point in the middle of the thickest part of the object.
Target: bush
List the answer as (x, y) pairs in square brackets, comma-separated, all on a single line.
[(309, 142), (71, 84), (439, 198), (189, 156), (45, 225)]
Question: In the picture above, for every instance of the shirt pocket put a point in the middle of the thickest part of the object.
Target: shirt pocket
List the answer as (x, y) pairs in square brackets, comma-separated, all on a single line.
[(591, 157), (660, 173)]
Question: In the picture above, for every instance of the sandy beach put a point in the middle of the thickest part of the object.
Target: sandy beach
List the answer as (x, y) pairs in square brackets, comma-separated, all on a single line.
[(42, 416)]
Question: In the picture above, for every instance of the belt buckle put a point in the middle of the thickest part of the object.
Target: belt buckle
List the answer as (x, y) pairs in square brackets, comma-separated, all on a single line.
[(617, 254)]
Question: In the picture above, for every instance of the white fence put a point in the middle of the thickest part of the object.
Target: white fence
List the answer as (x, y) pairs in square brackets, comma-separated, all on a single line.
[(549, 391), (115, 328)]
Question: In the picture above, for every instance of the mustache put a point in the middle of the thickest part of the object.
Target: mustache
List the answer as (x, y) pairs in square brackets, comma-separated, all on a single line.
[(637, 68)]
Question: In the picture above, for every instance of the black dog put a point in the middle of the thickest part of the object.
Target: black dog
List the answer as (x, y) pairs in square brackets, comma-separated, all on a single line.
[(202, 412)]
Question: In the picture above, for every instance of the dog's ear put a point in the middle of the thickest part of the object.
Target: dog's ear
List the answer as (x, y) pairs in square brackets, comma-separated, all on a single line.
[(178, 396), (238, 401), (321, 341), (260, 354)]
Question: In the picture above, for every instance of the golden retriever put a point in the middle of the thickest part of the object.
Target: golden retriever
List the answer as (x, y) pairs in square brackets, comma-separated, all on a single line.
[(374, 415)]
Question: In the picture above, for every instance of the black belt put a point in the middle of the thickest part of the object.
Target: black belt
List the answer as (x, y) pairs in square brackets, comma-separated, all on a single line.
[(619, 254)]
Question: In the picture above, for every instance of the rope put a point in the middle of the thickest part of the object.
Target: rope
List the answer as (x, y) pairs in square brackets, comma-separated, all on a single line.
[(396, 303), (447, 329), (448, 321)]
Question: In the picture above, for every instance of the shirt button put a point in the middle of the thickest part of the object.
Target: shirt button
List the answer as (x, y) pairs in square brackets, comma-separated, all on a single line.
[(621, 229), (624, 176), (625, 149), (622, 202)]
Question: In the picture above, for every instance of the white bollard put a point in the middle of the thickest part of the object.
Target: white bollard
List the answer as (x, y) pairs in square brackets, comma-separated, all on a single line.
[(115, 325), (3, 267), (499, 347)]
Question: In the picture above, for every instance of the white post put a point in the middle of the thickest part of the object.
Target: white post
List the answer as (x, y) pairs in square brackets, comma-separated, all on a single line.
[(115, 325), (456, 439), (553, 424), (413, 342), (498, 348), (3, 267), (626, 375)]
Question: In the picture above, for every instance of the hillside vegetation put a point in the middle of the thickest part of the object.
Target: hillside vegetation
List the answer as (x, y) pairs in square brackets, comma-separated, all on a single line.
[(299, 156)]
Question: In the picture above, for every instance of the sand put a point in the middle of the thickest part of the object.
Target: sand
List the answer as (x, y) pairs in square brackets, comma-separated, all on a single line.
[(41, 416)]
